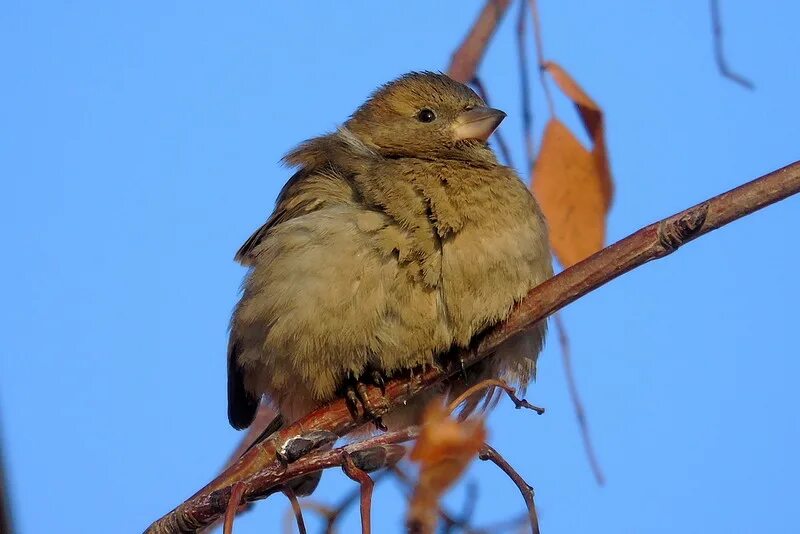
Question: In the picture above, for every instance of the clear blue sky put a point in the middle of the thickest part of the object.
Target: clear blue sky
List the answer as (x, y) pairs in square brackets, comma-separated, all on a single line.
[(139, 147)]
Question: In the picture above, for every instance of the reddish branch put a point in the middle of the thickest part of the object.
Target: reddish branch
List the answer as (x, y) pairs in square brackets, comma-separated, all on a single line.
[(233, 503), (354, 473), (491, 383), (467, 57), (296, 510), (263, 473), (464, 63), (332, 514)]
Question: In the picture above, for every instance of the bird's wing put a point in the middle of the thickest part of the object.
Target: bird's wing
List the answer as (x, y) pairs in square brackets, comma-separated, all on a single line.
[(304, 193)]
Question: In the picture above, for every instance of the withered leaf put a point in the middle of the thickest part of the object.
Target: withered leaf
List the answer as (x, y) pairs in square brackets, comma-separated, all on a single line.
[(443, 450), (592, 117), (573, 184), (567, 185)]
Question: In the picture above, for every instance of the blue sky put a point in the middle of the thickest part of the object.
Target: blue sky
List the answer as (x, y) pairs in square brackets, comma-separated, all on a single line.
[(140, 147)]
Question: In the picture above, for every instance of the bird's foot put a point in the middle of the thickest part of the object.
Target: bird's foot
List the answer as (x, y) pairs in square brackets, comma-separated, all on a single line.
[(457, 356), (356, 391)]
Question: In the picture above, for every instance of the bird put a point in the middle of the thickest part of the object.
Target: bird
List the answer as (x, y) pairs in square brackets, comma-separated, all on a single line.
[(399, 237)]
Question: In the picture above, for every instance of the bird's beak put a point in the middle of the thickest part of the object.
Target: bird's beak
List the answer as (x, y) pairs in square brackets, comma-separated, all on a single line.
[(477, 123)]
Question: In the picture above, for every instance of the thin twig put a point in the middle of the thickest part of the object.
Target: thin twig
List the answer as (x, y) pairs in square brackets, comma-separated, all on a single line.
[(351, 470), (233, 504), (537, 34), (497, 135), (408, 485), (508, 525), (462, 520), (488, 453), (719, 51), (289, 520), (6, 523), (333, 513), (494, 383), (574, 395), (525, 87), (259, 466), (298, 512), (469, 503), (464, 63)]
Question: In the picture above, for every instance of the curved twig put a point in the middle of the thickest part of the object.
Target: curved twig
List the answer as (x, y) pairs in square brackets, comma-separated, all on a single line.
[(488, 453), (233, 503), (719, 51), (494, 383), (574, 395), (296, 510), (354, 473), (332, 513)]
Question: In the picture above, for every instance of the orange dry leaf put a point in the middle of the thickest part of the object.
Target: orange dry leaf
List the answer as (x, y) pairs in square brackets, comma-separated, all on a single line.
[(566, 184), (572, 184), (444, 449), (592, 117)]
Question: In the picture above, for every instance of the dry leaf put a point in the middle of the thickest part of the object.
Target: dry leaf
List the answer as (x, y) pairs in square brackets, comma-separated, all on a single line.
[(444, 449), (592, 117), (567, 185), (573, 185)]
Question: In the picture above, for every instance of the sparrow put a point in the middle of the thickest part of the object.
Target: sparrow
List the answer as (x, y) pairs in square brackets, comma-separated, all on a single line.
[(399, 238)]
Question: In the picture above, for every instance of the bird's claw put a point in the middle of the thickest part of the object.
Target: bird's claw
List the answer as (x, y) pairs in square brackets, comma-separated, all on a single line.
[(357, 395), (378, 380)]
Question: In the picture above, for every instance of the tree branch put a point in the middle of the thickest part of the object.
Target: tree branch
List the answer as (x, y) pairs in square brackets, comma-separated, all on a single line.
[(297, 511), (490, 454), (464, 63), (491, 384), (262, 471), (354, 473), (230, 510), (331, 513)]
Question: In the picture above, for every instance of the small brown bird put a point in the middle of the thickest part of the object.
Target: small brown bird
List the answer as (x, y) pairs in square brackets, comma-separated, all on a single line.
[(399, 237)]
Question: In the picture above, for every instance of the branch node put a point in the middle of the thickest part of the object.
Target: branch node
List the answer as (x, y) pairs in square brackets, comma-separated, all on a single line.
[(295, 448), (672, 233)]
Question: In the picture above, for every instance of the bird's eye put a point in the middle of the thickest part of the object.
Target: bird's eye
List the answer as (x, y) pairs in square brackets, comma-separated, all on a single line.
[(426, 115)]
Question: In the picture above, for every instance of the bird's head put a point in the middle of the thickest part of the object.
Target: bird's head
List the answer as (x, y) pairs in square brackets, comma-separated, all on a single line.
[(427, 115)]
